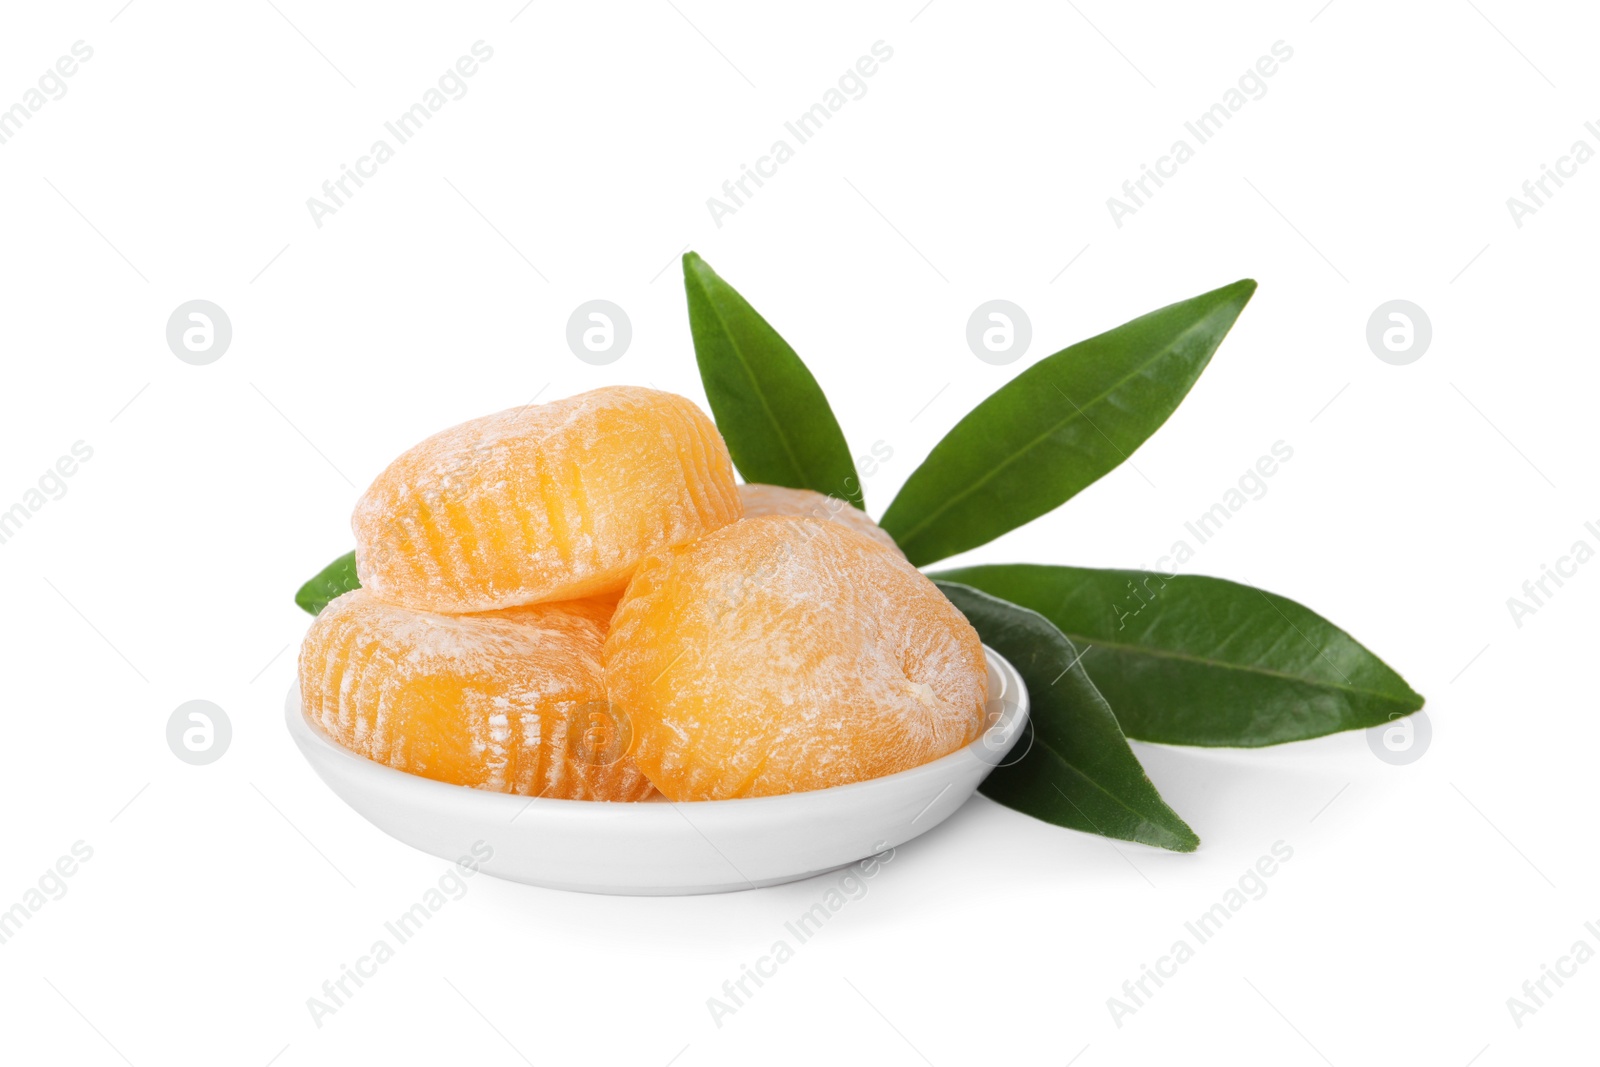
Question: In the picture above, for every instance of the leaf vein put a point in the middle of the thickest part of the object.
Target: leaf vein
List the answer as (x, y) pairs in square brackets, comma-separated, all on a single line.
[(1079, 412), (1163, 653), (755, 384)]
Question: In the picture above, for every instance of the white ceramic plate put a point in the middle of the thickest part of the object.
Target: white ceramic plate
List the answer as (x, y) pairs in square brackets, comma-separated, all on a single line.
[(658, 848)]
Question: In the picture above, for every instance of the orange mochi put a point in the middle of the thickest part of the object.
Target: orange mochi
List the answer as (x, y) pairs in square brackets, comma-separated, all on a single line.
[(543, 502), (782, 654), (759, 499), (509, 701)]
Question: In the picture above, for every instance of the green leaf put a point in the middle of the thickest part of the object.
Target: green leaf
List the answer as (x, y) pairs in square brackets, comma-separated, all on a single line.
[(1080, 772), (771, 411), (1190, 660), (334, 580), (1058, 427)]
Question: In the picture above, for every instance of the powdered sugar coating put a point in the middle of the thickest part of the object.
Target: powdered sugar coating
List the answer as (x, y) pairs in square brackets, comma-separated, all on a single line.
[(759, 499), (781, 654), (542, 503), (497, 701)]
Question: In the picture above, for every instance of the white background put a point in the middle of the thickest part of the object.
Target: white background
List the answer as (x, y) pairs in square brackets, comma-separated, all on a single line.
[(978, 164)]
